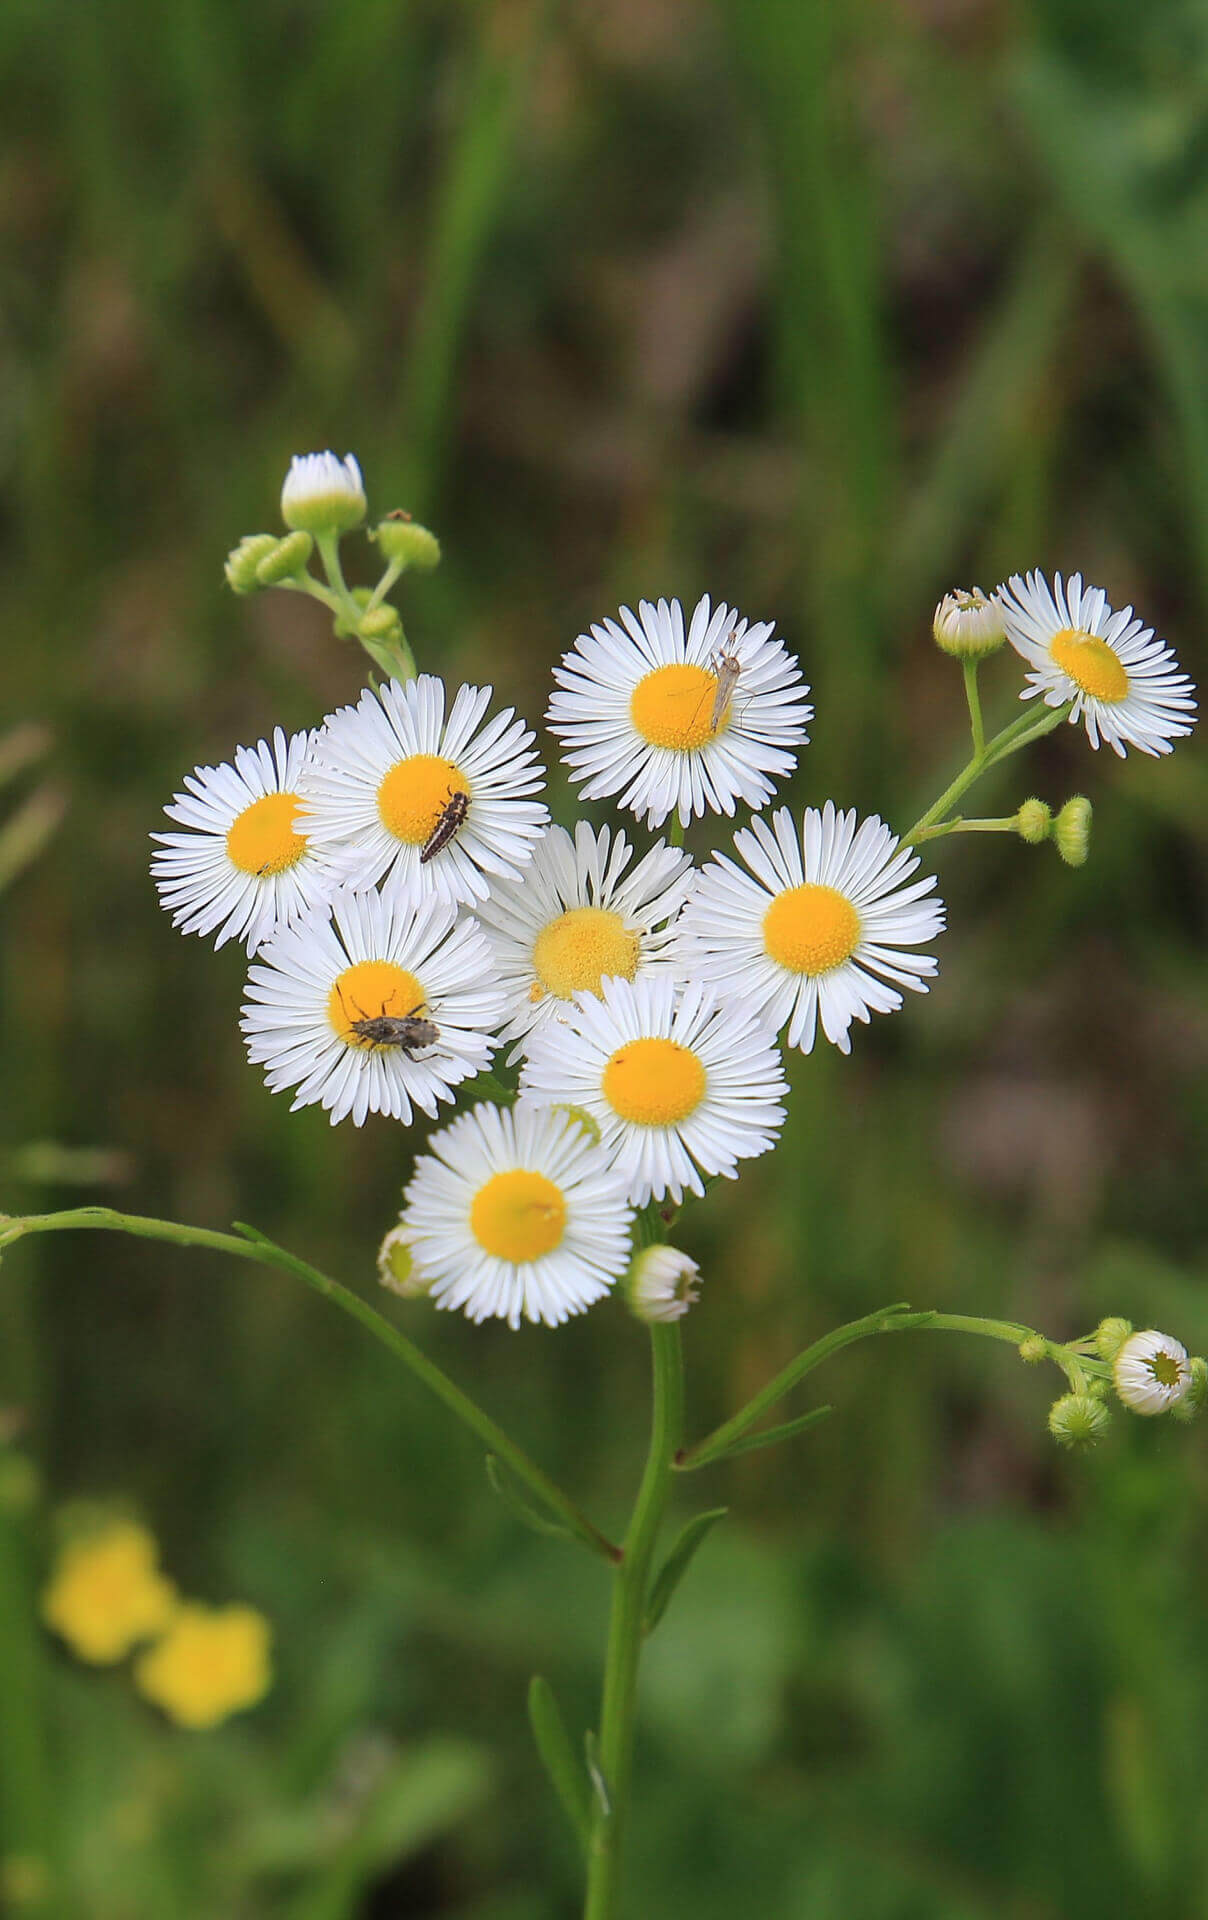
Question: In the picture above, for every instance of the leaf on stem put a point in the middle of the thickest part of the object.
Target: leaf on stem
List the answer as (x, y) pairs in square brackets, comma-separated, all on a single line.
[(511, 1496), (566, 1776), (676, 1565), (599, 1780), (772, 1435)]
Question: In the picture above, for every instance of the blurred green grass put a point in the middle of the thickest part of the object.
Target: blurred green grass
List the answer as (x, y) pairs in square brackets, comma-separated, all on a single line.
[(818, 310)]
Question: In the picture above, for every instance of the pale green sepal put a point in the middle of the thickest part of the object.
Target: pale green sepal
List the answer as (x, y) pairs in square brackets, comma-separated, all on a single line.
[(675, 1566), (511, 1497), (566, 1775), (287, 560), (404, 543), (1072, 831)]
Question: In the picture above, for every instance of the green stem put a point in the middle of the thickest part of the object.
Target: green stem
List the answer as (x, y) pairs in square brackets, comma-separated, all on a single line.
[(329, 554), (631, 1582), (975, 713), (958, 824), (384, 584), (1019, 734), (266, 1254)]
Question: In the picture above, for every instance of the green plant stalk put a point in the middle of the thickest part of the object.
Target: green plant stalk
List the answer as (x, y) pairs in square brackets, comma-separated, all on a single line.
[(266, 1254), (26, 1796), (976, 723), (1020, 733), (631, 1584)]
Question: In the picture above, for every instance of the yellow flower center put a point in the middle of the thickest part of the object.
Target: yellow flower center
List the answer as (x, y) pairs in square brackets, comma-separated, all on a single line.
[(810, 929), (518, 1216), (368, 990), (575, 951), (414, 794), (262, 839), (673, 707), (1090, 663), (1165, 1369), (654, 1082)]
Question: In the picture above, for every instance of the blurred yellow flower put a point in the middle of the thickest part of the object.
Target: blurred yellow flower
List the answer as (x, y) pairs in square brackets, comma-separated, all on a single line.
[(106, 1592), (211, 1662)]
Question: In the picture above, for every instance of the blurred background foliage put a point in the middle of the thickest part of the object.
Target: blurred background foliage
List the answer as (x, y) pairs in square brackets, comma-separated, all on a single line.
[(819, 309)]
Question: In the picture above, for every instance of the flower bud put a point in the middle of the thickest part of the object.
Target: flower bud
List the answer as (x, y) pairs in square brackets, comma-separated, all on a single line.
[(580, 1118), (286, 561), (968, 625), (396, 1266), (322, 494), (1152, 1372), (1033, 821), (661, 1284), (1072, 831), (1109, 1336), (1194, 1399), (1033, 1349), (404, 543), (242, 561), (382, 623), (1078, 1420)]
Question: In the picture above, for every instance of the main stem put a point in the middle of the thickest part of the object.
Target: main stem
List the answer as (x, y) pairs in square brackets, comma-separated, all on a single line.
[(631, 1583)]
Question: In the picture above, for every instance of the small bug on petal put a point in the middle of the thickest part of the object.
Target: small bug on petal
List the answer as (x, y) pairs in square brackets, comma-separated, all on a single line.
[(452, 817)]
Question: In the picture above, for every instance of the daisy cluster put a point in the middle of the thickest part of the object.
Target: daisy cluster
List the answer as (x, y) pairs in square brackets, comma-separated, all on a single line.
[(410, 910)]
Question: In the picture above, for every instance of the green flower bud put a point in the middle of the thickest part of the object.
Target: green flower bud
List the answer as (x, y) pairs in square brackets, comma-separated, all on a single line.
[(382, 624), (1072, 831), (1035, 1348), (1196, 1396), (587, 1122), (1033, 821), (322, 494), (968, 625), (404, 543), (396, 1266), (1109, 1336), (1077, 1420), (286, 561), (242, 561)]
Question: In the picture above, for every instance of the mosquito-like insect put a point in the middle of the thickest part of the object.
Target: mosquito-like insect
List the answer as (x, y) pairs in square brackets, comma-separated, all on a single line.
[(404, 1030), (453, 815), (727, 666)]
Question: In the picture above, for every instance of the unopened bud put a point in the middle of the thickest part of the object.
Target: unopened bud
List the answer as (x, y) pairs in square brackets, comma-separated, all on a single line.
[(396, 1266), (1033, 821), (286, 561), (1109, 1336), (322, 494), (1078, 1420), (242, 561), (661, 1284), (382, 623), (1033, 1349), (1196, 1396), (968, 625), (1152, 1372), (586, 1122), (404, 543), (1072, 831)]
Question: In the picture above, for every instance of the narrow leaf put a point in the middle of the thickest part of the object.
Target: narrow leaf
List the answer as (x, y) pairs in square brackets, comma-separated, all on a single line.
[(676, 1565), (558, 1756), (772, 1435), (511, 1496)]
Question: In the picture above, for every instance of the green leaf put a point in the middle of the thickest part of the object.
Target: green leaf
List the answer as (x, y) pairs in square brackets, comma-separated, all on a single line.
[(676, 1565), (510, 1494), (772, 1435), (566, 1775)]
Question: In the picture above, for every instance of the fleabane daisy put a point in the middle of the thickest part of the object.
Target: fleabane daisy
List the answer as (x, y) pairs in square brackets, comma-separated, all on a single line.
[(515, 1213), (1125, 684), (578, 918), (246, 866), (815, 930), (322, 494), (374, 1005), (1151, 1372), (397, 793), (679, 721), (679, 1083)]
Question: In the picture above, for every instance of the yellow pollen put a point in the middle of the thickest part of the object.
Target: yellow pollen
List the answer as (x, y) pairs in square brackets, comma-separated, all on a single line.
[(654, 1082), (1165, 1369), (577, 950), (368, 990), (518, 1216), (262, 839), (673, 706), (414, 794), (1090, 663), (810, 929)]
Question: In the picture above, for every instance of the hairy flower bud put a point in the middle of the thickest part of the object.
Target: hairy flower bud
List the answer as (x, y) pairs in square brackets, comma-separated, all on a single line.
[(1033, 1349), (1152, 1372), (243, 560), (1072, 831), (661, 1284), (1196, 1396), (286, 560), (1110, 1335), (1033, 821), (968, 625), (404, 543), (322, 494), (396, 1266), (1078, 1420)]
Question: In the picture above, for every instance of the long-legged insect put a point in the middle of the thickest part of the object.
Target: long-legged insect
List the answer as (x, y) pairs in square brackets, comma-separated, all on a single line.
[(384, 1029), (727, 666), (456, 807)]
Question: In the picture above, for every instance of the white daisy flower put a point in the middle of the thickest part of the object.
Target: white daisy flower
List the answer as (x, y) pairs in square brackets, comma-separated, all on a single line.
[(661, 1284), (968, 625), (245, 867), (426, 805), (1125, 685), (322, 494), (577, 917), (679, 722), (375, 1005), (816, 932), (1151, 1371), (679, 1083), (512, 1213)]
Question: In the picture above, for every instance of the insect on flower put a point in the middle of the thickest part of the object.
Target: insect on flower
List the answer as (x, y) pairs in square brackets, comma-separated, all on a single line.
[(384, 1029), (727, 666), (453, 816)]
